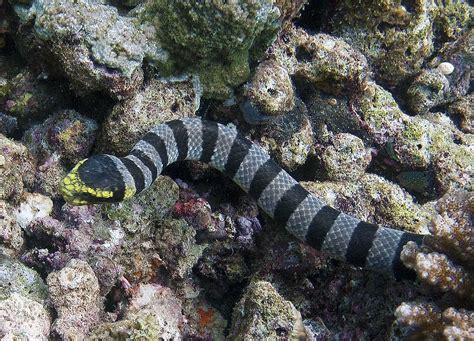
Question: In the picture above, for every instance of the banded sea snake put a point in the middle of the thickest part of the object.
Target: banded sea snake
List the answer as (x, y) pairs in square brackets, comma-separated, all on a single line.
[(106, 178)]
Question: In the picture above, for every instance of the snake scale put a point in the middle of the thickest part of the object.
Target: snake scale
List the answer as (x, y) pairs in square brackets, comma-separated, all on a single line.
[(107, 178)]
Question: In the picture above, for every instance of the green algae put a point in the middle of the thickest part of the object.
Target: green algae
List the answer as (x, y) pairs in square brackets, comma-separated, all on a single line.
[(17, 278), (213, 39), (263, 314), (143, 328)]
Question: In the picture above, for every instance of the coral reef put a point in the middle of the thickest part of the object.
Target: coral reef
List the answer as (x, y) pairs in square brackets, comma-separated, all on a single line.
[(16, 278), (11, 235), (449, 271), (215, 39), (17, 169), (74, 293), (429, 321), (367, 103), (23, 319), (105, 54), (160, 101), (263, 314)]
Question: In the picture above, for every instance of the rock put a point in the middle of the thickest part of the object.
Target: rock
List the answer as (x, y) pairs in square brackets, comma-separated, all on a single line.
[(325, 62), (263, 314), (214, 39), (74, 293), (270, 89), (66, 133), (33, 206), (23, 319), (160, 101), (11, 235), (17, 169), (106, 53), (153, 313), (17, 278), (347, 158)]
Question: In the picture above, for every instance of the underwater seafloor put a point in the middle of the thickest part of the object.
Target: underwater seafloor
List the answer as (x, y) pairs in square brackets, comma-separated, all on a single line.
[(368, 104)]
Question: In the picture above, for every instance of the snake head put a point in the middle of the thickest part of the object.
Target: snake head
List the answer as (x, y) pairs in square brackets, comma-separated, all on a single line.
[(94, 180)]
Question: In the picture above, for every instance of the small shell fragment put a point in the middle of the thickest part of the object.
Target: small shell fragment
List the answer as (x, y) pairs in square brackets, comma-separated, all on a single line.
[(446, 68)]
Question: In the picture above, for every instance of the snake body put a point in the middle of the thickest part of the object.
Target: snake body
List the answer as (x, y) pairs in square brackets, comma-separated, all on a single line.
[(107, 178)]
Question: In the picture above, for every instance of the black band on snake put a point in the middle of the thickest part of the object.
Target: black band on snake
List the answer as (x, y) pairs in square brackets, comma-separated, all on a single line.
[(106, 178)]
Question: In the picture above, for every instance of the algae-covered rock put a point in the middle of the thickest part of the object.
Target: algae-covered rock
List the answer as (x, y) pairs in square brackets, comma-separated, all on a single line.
[(460, 56), (153, 313), (66, 133), (30, 98), (18, 278), (11, 235), (270, 89), (88, 42), (162, 304), (213, 39), (373, 199), (454, 168), (326, 62), (74, 293), (464, 109), (160, 101), (143, 327), (83, 232), (347, 158), (413, 141), (289, 137), (452, 18), (332, 114), (49, 175), (398, 37), (23, 319), (17, 169), (263, 314), (395, 37), (428, 90), (177, 246)]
